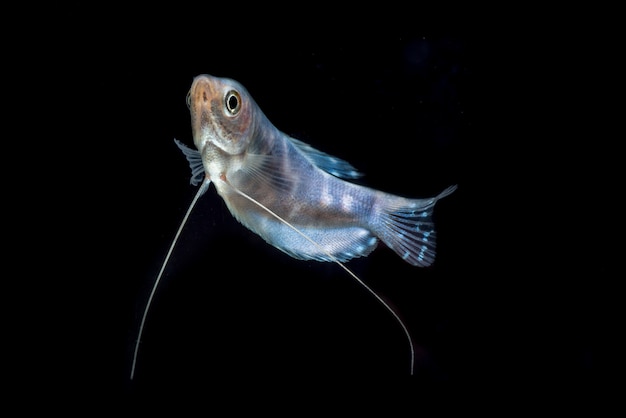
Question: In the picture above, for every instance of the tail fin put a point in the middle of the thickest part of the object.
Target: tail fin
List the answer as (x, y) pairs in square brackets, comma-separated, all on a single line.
[(407, 228)]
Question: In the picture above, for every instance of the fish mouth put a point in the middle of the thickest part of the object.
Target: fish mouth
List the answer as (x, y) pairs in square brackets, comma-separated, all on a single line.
[(199, 98), (203, 87)]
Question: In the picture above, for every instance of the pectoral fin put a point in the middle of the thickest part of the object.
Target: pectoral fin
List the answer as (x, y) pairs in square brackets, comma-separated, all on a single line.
[(195, 162), (266, 172)]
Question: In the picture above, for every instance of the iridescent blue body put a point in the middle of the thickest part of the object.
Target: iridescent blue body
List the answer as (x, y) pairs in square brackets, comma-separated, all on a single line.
[(240, 150)]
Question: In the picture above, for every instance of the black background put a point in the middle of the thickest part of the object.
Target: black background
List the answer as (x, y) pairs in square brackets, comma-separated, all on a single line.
[(230, 305), (400, 99)]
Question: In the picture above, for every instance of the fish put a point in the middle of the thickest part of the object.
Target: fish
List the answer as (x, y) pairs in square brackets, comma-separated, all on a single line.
[(297, 198)]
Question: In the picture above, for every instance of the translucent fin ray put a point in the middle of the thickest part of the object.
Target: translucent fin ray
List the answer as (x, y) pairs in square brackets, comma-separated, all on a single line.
[(201, 191), (407, 229), (332, 165), (195, 162)]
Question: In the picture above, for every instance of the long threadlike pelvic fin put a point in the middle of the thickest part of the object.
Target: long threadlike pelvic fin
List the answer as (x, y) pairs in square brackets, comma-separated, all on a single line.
[(332, 258), (203, 188)]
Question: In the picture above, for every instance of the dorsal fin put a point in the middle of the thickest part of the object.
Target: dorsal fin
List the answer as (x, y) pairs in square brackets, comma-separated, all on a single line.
[(332, 165)]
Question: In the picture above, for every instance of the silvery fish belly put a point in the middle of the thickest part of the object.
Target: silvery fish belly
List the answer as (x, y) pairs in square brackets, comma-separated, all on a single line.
[(263, 175)]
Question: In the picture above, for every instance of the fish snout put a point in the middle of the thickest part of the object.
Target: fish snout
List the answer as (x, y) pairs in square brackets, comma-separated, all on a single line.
[(202, 91)]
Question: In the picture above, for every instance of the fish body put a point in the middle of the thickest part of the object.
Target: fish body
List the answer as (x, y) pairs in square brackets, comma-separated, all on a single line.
[(242, 153), (297, 198)]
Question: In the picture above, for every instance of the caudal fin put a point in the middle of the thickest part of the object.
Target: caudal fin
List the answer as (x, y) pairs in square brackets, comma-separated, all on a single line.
[(408, 229)]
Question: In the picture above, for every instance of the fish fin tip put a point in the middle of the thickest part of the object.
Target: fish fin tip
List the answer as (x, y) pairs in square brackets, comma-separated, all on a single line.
[(447, 192)]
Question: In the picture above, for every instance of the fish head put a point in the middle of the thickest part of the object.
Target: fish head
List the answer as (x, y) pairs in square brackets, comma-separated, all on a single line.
[(222, 114)]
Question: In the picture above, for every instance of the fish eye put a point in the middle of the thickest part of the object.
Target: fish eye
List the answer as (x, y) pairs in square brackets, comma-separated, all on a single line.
[(232, 100)]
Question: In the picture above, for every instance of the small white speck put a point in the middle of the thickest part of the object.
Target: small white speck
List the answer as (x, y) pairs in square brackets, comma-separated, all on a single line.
[(327, 199), (346, 202)]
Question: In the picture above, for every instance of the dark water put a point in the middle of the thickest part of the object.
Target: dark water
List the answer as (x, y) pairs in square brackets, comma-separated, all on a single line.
[(231, 305), (399, 104)]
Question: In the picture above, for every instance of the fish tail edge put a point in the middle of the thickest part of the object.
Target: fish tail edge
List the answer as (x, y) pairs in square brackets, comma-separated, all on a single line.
[(408, 229)]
